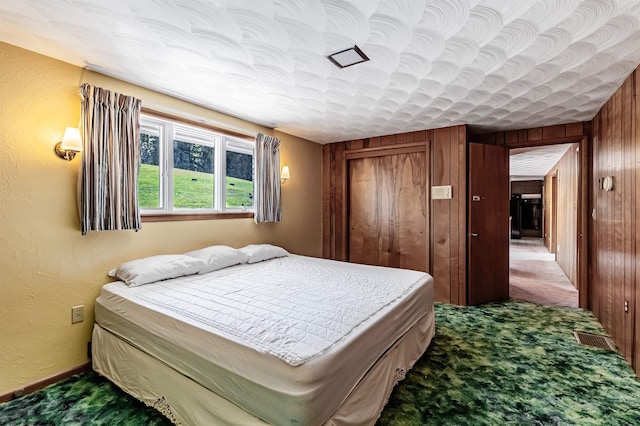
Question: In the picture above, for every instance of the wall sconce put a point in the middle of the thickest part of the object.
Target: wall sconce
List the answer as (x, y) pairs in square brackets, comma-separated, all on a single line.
[(285, 175), (70, 145)]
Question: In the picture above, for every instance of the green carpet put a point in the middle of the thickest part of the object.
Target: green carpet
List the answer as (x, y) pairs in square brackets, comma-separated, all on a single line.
[(512, 363)]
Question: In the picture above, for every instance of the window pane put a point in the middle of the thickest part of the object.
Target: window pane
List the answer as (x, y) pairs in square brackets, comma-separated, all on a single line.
[(192, 175), (149, 178), (239, 180)]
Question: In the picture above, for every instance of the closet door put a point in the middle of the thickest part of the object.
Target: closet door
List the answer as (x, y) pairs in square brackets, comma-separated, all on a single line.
[(388, 214)]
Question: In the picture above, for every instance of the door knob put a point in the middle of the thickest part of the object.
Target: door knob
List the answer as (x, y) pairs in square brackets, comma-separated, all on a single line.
[(473, 234)]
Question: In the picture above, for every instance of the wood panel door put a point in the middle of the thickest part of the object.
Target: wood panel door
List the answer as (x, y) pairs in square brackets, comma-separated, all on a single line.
[(488, 224), (388, 209)]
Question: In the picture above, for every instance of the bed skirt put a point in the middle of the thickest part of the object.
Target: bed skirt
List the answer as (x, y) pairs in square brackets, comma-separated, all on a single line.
[(185, 402)]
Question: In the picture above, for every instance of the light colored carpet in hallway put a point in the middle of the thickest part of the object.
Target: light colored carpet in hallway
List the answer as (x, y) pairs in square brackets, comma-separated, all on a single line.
[(534, 276)]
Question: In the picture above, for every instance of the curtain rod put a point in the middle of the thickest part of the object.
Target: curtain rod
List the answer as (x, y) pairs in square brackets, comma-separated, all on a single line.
[(152, 108)]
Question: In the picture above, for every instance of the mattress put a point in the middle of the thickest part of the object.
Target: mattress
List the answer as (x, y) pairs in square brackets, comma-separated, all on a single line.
[(286, 340)]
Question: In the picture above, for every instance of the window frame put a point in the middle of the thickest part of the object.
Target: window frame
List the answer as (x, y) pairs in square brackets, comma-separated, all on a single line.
[(171, 128)]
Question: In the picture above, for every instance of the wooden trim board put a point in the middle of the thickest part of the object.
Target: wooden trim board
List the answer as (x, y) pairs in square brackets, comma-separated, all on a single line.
[(43, 383)]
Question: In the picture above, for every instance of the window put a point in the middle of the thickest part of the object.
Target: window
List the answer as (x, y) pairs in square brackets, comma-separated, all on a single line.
[(187, 169)]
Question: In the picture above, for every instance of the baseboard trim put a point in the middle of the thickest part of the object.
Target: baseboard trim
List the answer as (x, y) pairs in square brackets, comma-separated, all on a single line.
[(40, 384)]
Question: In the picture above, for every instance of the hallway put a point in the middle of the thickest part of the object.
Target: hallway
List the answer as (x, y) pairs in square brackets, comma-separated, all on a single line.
[(534, 275)]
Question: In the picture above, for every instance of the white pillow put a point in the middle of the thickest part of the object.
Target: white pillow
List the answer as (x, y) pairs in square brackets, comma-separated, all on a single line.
[(155, 268), (218, 257), (259, 252)]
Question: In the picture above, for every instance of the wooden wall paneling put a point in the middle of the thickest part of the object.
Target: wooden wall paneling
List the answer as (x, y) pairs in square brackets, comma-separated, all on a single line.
[(486, 138), (617, 231), (599, 297), (459, 204), (384, 150), (629, 167), (553, 132), (387, 140), (422, 135), (327, 203), (574, 129), (401, 139), (454, 221), (511, 137), (635, 138), (622, 125), (547, 135), (594, 289), (605, 247), (341, 204), (606, 231), (373, 142), (608, 215), (625, 203), (357, 144), (427, 199), (441, 215), (534, 134), (614, 237), (333, 203)]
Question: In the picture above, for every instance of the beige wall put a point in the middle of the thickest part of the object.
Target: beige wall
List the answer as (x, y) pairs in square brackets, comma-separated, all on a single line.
[(46, 265)]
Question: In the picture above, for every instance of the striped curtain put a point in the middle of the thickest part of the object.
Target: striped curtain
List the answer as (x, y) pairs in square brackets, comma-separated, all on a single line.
[(267, 179), (110, 160)]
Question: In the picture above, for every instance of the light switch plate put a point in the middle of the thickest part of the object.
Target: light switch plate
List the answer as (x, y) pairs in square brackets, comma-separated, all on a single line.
[(441, 192)]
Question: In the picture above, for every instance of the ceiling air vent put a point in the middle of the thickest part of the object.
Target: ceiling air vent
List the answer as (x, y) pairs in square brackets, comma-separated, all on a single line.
[(347, 57), (595, 340)]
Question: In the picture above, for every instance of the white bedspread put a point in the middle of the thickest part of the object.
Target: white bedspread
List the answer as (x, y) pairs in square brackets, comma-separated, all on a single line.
[(287, 339), (294, 310)]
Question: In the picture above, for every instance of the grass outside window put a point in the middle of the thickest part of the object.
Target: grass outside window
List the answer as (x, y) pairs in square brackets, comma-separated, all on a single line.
[(192, 189)]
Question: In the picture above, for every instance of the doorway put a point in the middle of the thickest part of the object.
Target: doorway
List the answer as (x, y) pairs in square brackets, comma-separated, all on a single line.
[(543, 248)]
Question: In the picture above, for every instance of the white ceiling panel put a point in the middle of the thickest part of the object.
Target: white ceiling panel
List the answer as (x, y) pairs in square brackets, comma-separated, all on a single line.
[(535, 162), (492, 64)]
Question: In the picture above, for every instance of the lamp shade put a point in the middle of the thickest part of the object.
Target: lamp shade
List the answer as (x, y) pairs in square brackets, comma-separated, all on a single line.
[(71, 140), (285, 173)]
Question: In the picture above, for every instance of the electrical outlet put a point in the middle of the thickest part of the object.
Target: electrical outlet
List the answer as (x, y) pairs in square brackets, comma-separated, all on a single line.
[(77, 314)]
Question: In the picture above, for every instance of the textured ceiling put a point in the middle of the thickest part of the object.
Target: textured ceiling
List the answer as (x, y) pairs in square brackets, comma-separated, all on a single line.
[(494, 64), (525, 163)]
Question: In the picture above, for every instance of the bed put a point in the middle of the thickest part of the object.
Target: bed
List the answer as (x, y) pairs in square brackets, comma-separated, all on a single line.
[(285, 340)]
